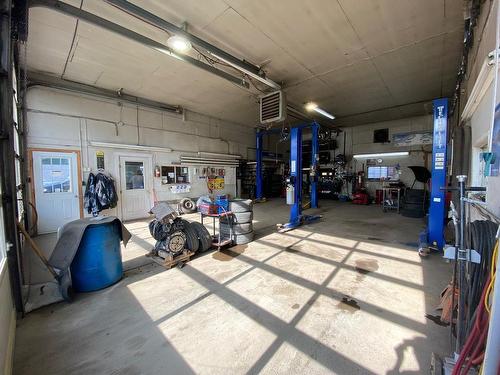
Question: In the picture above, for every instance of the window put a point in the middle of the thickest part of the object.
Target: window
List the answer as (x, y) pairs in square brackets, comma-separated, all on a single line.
[(168, 174), (56, 175), (478, 165), (134, 174), (382, 173), (174, 175), (181, 175)]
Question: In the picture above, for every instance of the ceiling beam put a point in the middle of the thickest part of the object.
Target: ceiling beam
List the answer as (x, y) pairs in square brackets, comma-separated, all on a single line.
[(93, 19), (152, 19)]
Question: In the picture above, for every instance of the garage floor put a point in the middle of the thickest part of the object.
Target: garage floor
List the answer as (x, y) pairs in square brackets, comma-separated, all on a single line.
[(348, 294)]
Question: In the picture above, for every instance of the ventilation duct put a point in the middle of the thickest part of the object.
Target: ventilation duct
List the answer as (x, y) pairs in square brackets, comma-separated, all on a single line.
[(272, 107)]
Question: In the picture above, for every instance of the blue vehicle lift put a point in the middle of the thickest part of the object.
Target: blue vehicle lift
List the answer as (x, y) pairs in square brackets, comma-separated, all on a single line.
[(435, 226), (294, 182)]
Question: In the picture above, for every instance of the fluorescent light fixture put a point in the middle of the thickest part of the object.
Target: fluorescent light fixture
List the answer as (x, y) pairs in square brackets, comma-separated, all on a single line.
[(311, 106), (264, 80), (324, 113), (219, 154), (179, 43), (381, 155), (129, 147)]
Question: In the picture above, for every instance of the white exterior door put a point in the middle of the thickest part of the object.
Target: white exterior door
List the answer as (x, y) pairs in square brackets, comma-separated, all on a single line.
[(55, 180), (135, 187)]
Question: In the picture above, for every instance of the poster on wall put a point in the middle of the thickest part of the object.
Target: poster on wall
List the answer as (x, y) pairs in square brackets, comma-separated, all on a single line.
[(216, 183), (99, 159), (412, 139)]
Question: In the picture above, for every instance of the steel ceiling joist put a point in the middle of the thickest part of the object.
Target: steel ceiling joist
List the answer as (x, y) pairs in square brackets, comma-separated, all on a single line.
[(91, 18), (152, 19)]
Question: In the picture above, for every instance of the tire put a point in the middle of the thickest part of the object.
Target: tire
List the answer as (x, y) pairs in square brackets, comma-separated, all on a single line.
[(241, 239), (192, 241), (239, 218), (414, 206), (412, 213), (241, 205), (414, 201), (204, 237), (415, 193), (188, 206), (237, 228), (415, 196)]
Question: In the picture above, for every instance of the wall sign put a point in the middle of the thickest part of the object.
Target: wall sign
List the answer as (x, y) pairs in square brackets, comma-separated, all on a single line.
[(412, 139), (100, 159), (177, 189), (216, 183)]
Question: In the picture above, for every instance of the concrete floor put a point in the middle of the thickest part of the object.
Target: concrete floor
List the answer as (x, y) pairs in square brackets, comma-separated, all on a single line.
[(346, 295)]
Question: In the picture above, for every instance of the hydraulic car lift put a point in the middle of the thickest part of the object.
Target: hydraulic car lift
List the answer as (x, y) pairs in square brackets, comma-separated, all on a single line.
[(437, 208), (294, 181)]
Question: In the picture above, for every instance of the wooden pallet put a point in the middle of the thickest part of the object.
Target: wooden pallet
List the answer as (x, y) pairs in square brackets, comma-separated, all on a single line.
[(173, 261)]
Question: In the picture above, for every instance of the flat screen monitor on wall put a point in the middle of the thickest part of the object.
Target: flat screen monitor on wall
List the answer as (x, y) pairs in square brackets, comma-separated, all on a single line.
[(381, 136)]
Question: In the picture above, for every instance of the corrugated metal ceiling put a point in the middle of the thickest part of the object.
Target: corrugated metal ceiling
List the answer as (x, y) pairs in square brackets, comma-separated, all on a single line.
[(351, 56)]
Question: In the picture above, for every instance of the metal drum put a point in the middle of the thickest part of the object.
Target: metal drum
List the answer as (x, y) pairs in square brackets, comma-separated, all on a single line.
[(98, 261)]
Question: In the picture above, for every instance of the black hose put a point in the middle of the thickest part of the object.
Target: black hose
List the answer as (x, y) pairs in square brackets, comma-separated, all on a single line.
[(483, 233)]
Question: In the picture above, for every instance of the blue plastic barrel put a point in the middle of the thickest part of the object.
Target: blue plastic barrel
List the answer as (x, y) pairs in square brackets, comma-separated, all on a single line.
[(98, 261)]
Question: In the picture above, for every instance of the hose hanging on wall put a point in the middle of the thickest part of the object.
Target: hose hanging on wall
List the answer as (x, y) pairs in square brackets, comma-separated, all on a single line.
[(472, 353), (482, 239)]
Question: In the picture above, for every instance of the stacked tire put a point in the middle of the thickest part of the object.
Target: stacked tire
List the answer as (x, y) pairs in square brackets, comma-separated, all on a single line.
[(198, 239), (239, 225), (415, 203)]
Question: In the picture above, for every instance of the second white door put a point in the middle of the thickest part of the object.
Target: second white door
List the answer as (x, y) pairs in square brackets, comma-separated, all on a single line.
[(135, 186)]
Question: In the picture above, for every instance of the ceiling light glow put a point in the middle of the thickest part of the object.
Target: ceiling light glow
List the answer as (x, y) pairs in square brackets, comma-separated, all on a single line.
[(311, 106), (179, 43)]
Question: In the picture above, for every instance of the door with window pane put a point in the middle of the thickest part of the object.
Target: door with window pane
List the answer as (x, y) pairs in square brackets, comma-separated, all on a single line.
[(55, 181), (135, 182)]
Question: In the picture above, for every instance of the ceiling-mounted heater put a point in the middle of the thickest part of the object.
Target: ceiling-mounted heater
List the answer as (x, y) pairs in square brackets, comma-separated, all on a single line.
[(272, 107)]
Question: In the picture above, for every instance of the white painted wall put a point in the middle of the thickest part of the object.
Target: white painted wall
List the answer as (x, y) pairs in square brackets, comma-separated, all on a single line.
[(61, 119), (359, 140), (481, 121)]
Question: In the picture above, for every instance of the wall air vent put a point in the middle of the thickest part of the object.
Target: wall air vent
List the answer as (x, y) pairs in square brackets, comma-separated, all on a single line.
[(272, 107)]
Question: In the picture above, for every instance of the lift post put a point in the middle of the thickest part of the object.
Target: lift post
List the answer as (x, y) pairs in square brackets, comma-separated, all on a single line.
[(258, 168), (295, 179), (438, 196)]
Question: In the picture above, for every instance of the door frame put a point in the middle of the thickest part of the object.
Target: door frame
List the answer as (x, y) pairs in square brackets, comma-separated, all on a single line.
[(118, 179), (31, 173)]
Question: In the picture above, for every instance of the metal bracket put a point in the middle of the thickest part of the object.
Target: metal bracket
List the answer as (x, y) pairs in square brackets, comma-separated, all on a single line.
[(468, 255)]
